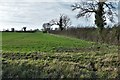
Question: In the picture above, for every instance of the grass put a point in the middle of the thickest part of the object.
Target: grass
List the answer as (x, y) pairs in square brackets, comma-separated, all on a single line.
[(25, 42), (38, 55), (60, 65)]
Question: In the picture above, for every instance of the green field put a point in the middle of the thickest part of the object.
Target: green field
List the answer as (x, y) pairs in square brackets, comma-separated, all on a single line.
[(26, 42), (38, 55)]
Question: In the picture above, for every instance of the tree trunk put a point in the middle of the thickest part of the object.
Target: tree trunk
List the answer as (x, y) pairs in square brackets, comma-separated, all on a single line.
[(99, 19)]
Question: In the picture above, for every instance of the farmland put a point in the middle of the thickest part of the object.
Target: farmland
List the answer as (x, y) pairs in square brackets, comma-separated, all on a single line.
[(38, 55), (25, 42)]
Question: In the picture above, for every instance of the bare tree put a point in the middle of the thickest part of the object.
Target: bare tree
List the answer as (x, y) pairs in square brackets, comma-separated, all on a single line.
[(24, 28), (12, 29), (102, 9), (64, 22), (46, 27)]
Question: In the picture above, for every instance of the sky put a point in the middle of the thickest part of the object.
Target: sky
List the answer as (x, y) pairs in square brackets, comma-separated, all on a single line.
[(33, 13)]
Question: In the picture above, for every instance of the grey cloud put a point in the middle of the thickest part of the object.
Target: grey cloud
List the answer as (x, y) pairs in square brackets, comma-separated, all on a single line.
[(35, 13)]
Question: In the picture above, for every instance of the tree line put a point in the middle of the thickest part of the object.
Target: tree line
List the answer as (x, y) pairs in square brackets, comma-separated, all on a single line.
[(24, 29), (103, 10)]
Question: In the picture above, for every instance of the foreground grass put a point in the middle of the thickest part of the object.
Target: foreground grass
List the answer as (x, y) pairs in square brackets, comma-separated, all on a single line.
[(60, 65)]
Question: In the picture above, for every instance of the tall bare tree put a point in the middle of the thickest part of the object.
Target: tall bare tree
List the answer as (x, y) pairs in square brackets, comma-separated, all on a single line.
[(64, 22), (103, 9)]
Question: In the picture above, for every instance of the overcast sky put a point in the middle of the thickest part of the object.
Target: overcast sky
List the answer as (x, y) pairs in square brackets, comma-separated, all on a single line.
[(33, 13)]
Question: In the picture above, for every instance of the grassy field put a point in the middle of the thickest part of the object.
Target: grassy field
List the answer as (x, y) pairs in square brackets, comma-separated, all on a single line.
[(38, 55), (25, 42)]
